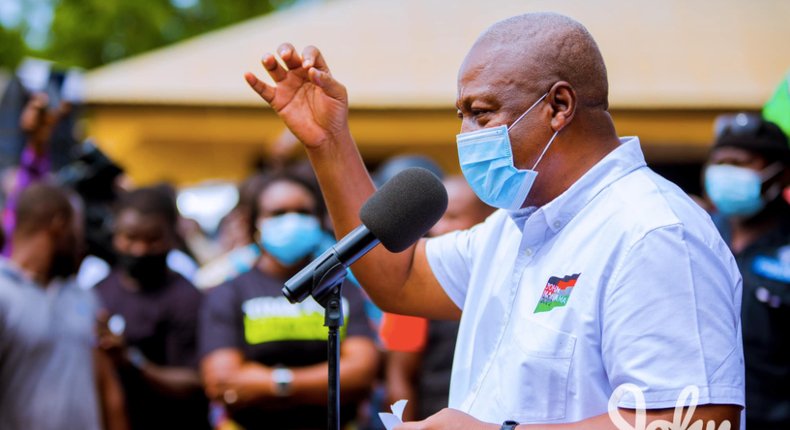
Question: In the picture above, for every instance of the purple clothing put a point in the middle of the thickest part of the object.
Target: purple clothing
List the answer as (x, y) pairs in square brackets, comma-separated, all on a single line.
[(32, 168)]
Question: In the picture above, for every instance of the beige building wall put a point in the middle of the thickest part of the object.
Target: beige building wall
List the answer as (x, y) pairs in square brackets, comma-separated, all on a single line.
[(184, 113)]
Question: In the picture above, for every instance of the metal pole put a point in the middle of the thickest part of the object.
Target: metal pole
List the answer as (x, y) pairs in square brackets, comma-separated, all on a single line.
[(333, 405), (333, 318)]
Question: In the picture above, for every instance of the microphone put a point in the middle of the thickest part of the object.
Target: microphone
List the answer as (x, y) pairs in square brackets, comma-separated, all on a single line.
[(397, 216)]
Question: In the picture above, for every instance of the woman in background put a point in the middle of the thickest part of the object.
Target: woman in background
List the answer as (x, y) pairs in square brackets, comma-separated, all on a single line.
[(264, 358)]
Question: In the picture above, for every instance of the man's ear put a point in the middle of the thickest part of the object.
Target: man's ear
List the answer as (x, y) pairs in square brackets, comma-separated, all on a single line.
[(57, 226), (563, 100)]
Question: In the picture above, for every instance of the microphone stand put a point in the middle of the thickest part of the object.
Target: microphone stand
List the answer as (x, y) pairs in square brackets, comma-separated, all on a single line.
[(333, 318), (328, 277)]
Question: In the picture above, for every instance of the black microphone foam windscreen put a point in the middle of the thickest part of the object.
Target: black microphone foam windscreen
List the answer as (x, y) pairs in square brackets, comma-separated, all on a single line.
[(405, 208)]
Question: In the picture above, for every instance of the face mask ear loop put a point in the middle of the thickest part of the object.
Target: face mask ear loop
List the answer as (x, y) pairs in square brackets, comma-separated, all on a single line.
[(772, 193), (523, 114), (773, 170), (545, 149)]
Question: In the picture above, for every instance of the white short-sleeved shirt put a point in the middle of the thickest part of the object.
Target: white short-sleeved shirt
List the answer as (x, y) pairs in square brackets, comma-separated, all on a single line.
[(621, 279)]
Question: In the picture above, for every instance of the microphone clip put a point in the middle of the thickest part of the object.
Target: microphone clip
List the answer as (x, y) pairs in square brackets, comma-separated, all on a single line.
[(324, 277), (328, 280)]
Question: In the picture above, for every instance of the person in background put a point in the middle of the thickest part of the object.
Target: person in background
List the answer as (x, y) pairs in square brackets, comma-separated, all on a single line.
[(51, 377), (179, 259), (420, 352), (746, 171), (150, 321), (386, 171), (38, 122), (235, 237), (265, 359)]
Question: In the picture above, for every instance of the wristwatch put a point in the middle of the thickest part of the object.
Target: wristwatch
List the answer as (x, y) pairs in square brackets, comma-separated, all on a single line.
[(509, 425), (282, 378)]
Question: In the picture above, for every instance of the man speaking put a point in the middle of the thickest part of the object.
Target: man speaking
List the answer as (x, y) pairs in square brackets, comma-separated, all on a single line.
[(596, 272)]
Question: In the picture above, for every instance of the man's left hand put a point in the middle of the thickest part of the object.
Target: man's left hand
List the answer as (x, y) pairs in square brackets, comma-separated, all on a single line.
[(448, 419)]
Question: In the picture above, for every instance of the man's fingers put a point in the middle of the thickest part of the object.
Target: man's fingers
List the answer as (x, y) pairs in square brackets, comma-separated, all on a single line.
[(274, 68), (39, 100), (265, 91), (291, 58), (102, 316), (311, 57), (326, 82)]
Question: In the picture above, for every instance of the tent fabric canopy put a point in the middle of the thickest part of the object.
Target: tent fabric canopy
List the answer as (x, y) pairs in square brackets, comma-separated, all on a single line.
[(669, 54)]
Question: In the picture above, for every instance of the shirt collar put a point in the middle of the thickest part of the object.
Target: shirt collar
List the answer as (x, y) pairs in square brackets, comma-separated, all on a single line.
[(13, 272), (21, 277), (560, 211)]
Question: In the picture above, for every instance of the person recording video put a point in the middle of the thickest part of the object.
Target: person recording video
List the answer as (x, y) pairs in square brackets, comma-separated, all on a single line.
[(595, 272), (264, 359)]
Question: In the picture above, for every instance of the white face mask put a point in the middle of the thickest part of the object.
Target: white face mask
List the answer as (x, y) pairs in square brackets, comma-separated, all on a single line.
[(486, 158)]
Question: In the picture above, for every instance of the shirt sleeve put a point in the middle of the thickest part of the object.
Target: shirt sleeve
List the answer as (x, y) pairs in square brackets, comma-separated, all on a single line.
[(451, 263), (357, 319), (219, 325), (671, 319)]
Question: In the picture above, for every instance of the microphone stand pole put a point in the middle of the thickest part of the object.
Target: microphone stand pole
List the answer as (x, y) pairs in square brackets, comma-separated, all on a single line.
[(333, 318), (327, 282)]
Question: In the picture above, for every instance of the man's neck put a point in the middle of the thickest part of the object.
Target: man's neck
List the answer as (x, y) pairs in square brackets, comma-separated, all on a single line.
[(584, 147), (33, 256), (134, 285)]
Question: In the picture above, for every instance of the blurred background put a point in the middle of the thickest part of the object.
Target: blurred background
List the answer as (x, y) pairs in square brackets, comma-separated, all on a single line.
[(108, 97), (160, 81)]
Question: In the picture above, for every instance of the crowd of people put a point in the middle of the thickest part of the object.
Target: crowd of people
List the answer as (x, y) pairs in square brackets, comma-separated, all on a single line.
[(165, 340), (138, 339)]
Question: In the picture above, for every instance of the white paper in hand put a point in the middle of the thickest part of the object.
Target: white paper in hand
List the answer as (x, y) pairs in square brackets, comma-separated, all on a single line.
[(396, 417)]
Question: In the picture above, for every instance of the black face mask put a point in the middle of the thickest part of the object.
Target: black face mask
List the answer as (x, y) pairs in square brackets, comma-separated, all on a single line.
[(150, 270), (63, 266)]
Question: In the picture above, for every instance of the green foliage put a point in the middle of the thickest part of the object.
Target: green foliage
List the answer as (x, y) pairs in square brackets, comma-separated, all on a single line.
[(89, 33), (12, 48)]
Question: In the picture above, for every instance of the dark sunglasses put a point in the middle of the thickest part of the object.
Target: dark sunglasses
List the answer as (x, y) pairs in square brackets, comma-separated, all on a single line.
[(741, 124)]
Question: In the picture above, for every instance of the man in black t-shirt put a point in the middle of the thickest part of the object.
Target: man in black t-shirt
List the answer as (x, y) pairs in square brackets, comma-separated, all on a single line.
[(150, 319)]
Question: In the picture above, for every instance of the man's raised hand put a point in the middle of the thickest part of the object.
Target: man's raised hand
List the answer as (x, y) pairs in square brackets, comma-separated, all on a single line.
[(309, 100)]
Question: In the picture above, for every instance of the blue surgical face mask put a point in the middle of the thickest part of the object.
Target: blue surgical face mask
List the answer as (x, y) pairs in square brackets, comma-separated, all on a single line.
[(290, 237), (486, 158), (736, 191)]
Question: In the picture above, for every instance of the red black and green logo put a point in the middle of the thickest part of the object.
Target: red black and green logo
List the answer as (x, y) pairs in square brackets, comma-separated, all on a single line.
[(557, 292)]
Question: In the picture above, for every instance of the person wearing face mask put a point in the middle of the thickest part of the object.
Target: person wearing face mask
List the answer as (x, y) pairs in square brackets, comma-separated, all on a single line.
[(747, 170), (149, 319), (265, 359), (595, 272), (51, 377)]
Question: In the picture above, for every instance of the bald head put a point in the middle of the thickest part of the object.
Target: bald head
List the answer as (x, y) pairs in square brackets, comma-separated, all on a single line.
[(545, 48), (549, 66)]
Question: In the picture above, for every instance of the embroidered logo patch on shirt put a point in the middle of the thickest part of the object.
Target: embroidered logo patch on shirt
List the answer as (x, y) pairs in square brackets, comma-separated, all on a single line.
[(556, 293)]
